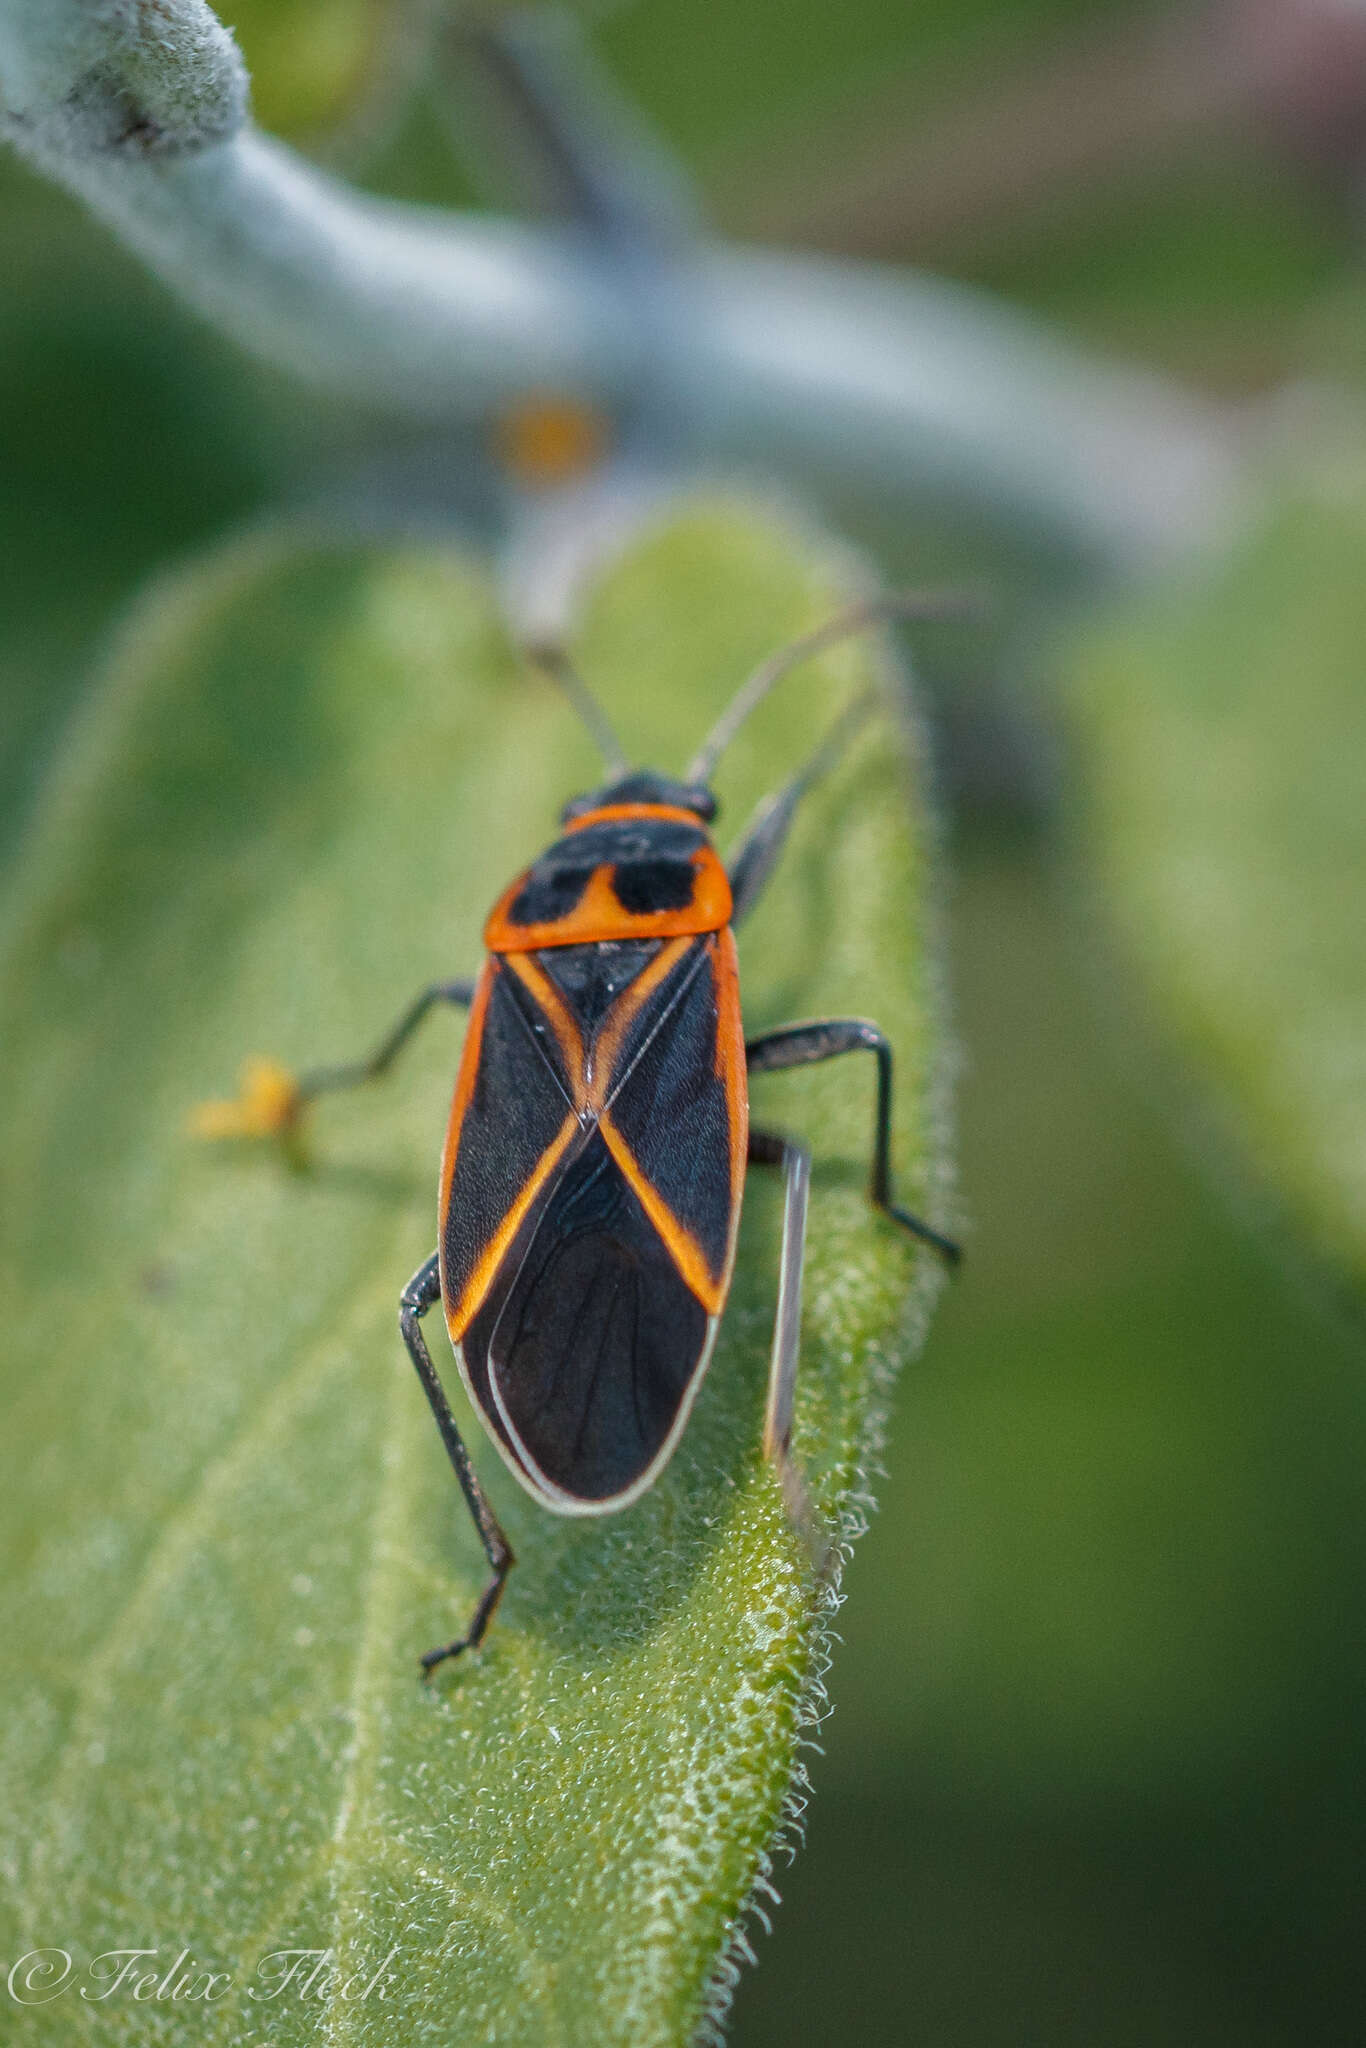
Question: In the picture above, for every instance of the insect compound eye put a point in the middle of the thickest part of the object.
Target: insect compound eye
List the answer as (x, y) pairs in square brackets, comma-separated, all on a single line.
[(700, 799)]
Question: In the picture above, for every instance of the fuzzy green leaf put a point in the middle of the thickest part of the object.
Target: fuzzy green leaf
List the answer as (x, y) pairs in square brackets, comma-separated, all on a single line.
[(1223, 731), (229, 1525)]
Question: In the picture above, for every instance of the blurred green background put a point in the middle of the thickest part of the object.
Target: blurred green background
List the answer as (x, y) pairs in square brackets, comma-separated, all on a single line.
[(1097, 1767)]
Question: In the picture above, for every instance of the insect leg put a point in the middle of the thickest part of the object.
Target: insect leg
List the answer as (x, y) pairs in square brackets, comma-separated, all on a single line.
[(322, 1080), (801, 1045), (770, 1148), (272, 1098), (768, 829), (418, 1296)]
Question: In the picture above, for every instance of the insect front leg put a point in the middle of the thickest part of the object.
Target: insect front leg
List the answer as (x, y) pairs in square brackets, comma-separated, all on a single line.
[(418, 1296), (272, 1099), (804, 1045), (755, 858)]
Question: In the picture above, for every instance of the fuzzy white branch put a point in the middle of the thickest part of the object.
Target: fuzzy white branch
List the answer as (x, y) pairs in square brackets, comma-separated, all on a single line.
[(435, 315), (884, 382), (871, 380), (83, 79)]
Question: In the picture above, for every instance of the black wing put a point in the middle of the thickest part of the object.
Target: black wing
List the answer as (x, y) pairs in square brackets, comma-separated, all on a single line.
[(585, 1348), (592, 1200)]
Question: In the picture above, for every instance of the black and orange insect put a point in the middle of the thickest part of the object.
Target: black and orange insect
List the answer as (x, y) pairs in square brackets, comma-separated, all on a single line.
[(598, 1138)]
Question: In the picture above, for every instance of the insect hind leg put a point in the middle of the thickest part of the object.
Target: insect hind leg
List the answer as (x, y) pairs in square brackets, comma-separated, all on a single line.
[(418, 1296), (770, 1148)]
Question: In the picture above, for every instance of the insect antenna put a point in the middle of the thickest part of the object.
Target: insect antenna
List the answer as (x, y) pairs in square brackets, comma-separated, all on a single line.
[(855, 618), (552, 658)]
